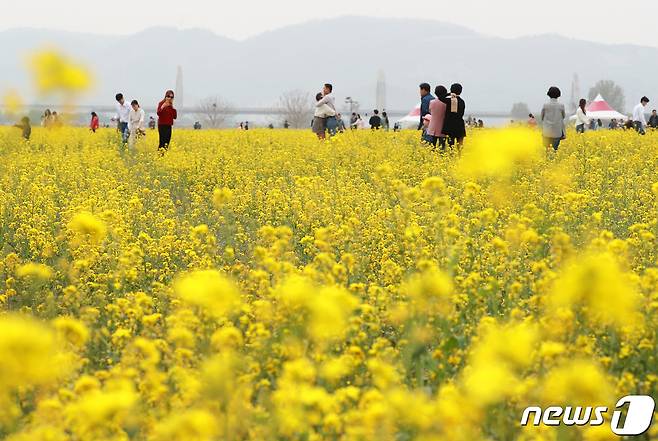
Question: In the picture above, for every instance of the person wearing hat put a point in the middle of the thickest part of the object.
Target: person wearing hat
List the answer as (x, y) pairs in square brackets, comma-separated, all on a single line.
[(552, 118)]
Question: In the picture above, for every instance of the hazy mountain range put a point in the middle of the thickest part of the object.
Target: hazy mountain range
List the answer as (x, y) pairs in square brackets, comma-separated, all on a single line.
[(348, 52)]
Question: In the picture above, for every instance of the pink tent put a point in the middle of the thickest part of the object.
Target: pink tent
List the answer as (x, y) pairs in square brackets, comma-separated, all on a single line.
[(412, 119), (600, 109)]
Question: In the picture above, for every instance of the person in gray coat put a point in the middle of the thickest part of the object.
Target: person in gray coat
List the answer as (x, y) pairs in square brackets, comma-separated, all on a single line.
[(552, 117)]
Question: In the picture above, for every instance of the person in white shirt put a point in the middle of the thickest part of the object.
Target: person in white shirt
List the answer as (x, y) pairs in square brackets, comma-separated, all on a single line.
[(582, 120), (123, 110), (136, 119), (329, 100), (639, 119), (322, 113)]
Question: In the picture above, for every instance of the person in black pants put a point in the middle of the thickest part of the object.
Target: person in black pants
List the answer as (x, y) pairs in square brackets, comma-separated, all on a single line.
[(453, 124), (166, 116)]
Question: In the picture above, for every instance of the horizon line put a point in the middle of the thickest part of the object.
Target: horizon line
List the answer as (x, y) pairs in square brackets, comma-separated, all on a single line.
[(312, 20)]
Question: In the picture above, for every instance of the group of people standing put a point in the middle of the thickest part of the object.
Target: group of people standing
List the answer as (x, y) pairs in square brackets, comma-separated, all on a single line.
[(553, 118), (132, 120), (442, 116), (376, 122), (50, 119), (637, 121)]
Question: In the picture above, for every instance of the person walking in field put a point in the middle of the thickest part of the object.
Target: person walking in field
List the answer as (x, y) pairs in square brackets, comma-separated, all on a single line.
[(438, 114), (454, 127), (582, 121), (136, 120), (94, 123), (552, 118), (123, 109), (166, 116), (639, 120)]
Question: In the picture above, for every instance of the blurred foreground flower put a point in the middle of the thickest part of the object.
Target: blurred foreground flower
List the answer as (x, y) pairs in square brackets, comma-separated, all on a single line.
[(55, 73), (12, 102), (87, 225), (210, 290), (596, 283), (498, 153)]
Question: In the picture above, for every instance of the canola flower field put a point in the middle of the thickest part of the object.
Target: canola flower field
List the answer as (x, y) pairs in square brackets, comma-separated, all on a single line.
[(263, 286)]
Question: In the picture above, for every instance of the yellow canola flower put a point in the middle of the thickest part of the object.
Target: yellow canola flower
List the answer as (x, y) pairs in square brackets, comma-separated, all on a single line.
[(221, 196), (500, 353), (13, 103), (227, 338), (596, 282), (35, 270), (71, 330), (56, 73), (28, 353), (357, 290), (326, 310), (88, 225), (578, 382), (191, 425), (431, 292), (330, 309), (100, 410), (499, 153), (210, 290)]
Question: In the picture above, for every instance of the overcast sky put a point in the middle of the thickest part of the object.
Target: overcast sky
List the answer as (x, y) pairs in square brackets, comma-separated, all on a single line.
[(603, 21)]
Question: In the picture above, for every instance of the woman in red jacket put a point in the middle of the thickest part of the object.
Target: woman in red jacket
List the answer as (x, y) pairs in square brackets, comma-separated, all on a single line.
[(166, 116), (94, 124)]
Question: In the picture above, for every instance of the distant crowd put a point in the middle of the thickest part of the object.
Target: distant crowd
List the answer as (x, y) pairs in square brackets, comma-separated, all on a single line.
[(441, 120), (553, 117)]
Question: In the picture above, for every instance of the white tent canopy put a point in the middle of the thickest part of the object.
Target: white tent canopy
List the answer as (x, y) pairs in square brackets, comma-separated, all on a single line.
[(411, 120), (600, 109)]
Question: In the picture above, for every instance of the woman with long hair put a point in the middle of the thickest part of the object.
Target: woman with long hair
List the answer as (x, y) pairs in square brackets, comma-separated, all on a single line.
[(94, 123), (582, 120), (47, 119), (166, 116)]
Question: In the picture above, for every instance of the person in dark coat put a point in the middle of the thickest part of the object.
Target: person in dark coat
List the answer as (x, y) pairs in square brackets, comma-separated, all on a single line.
[(425, 99), (453, 125), (375, 121), (653, 120), (26, 127)]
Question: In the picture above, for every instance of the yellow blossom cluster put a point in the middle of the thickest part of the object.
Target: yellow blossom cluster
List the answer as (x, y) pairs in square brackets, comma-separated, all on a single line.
[(263, 286)]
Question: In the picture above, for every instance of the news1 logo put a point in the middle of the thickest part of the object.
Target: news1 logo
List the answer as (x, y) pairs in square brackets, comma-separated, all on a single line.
[(639, 413)]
